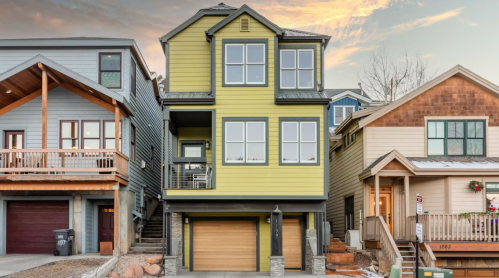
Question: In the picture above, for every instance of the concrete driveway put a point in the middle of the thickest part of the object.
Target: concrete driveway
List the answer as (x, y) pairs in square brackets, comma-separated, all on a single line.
[(300, 274), (19, 262)]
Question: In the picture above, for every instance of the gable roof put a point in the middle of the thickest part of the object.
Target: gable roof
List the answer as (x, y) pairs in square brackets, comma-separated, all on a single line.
[(382, 161), (68, 75), (220, 7), (244, 9), (455, 71), (336, 94)]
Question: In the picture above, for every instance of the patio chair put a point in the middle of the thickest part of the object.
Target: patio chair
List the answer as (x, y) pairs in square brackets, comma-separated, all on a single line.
[(205, 179)]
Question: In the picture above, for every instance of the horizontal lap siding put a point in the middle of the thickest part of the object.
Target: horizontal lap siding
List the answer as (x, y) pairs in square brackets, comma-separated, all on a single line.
[(462, 199), (433, 192), (190, 57), (345, 167), (259, 102), (148, 123), (409, 141), (493, 141), (62, 105)]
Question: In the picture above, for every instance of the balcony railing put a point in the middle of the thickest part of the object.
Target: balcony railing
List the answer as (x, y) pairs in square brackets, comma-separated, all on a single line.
[(189, 175), (55, 161), (454, 227)]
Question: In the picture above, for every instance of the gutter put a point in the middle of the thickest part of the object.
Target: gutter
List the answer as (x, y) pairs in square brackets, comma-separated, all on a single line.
[(301, 101)]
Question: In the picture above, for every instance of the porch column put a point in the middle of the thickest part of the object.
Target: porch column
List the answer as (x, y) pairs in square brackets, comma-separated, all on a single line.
[(406, 195), (116, 125), (44, 107), (166, 147), (116, 250), (376, 195), (276, 260)]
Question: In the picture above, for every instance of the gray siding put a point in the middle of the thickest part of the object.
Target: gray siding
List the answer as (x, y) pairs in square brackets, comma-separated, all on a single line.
[(83, 61), (344, 169), (62, 105), (148, 124), (90, 222)]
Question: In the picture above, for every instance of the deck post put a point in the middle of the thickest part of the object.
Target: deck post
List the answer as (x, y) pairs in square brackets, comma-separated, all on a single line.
[(406, 198), (116, 250), (116, 125), (44, 107), (376, 195)]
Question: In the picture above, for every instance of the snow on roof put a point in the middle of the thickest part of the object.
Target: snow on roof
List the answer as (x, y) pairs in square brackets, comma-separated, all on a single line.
[(455, 164)]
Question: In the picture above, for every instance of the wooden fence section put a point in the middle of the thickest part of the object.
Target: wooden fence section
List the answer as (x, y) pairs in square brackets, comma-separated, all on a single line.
[(453, 227), (56, 161)]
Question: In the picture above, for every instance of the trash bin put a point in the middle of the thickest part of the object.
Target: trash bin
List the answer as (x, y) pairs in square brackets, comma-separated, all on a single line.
[(64, 240), (433, 272)]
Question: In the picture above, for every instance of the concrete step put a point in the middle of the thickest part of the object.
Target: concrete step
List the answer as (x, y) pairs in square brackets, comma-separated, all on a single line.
[(337, 249), (148, 249), (340, 258), (147, 244), (335, 240), (144, 252), (337, 243), (151, 240)]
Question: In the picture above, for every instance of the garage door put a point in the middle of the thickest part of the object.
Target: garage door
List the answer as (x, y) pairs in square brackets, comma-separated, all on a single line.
[(30, 225), (292, 243), (224, 245), (475, 272)]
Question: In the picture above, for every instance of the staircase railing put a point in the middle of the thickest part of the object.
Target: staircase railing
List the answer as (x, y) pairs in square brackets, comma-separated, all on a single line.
[(427, 255), (376, 229)]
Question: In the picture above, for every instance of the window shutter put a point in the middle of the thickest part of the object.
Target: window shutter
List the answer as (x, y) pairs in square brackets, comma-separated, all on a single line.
[(245, 24)]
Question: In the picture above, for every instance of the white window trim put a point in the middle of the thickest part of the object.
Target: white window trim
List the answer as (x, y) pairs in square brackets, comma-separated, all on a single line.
[(344, 112), (302, 141), (287, 141), (299, 142), (227, 63), (246, 63), (289, 69), (245, 142), (298, 68)]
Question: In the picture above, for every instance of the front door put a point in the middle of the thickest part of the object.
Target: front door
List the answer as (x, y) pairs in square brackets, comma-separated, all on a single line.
[(14, 140), (106, 224), (192, 150), (385, 205)]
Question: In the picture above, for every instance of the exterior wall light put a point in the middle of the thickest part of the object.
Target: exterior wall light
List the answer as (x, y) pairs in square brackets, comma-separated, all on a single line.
[(268, 219), (207, 144), (186, 220)]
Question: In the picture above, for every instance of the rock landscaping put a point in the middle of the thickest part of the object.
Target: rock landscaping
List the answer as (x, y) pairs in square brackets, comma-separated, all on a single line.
[(80, 268), (137, 265)]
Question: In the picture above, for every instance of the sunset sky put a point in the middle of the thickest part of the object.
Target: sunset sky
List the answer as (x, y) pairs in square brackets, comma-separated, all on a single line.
[(447, 32)]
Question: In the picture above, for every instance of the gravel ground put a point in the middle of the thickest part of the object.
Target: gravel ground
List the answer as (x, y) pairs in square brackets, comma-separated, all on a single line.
[(62, 269), (363, 261), (125, 261)]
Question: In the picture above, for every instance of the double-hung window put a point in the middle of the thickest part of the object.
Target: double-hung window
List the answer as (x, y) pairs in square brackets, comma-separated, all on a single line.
[(90, 135), (245, 141), (69, 135), (245, 64), (110, 70), (341, 113), (297, 69), (299, 141), (109, 135), (456, 138)]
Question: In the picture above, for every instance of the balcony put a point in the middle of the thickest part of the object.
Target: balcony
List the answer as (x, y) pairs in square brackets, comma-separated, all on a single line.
[(190, 173), (46, 165)]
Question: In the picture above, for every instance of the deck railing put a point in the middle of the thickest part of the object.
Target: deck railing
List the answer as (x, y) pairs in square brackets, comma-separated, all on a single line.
[(454, 227), (427, 255), (376, 229), (56, 161), (190, 175)]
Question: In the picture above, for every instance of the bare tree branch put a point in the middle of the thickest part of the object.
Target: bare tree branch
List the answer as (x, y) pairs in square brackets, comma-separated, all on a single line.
[(408, 73)]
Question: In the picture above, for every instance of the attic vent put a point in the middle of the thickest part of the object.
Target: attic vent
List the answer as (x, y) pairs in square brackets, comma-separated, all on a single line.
[(245, 24)]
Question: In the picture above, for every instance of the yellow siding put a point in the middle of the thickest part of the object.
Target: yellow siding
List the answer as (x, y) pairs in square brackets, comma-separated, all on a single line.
[(311, 220), (195, 133), (264, 234), (318, 51), (190, 57), (345, 167), (258, 102)]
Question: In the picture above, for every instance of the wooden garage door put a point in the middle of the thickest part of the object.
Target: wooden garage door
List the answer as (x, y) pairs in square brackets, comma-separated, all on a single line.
[(224, 245), (292, 243), (30, 225), (475, 272)]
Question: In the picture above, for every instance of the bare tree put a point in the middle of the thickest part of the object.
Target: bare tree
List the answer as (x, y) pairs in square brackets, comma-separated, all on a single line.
[(387, 78)]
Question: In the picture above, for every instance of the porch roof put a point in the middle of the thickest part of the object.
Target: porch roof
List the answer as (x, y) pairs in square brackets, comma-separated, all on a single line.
[(23, 82), (432, 166)]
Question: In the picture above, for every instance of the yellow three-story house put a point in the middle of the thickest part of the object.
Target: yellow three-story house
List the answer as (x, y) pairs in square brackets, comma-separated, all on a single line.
[(245, 165)]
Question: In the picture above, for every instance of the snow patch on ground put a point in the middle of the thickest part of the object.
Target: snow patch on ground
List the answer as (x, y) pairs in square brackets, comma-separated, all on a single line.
[(371, 274)]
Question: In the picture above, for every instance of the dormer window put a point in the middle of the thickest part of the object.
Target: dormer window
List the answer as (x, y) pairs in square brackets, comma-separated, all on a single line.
[(244, 62)]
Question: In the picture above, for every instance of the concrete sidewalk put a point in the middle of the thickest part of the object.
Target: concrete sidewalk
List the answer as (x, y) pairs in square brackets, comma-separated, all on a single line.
[(300, 274), (20, 262)]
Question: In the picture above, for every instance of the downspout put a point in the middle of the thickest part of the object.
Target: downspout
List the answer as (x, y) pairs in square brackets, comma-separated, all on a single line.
[(323, 43), (361, 226)]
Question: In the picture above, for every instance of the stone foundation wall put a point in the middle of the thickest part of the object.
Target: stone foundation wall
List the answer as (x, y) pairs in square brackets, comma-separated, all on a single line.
[(276, 266), (319, 265), (177, 234), (310, 234)]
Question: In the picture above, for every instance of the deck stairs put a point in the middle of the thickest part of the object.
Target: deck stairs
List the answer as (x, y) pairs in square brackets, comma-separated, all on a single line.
[(152, 235), (339, 261), (408, 252)]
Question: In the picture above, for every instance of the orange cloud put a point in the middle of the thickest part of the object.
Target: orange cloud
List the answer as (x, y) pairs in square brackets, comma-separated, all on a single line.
[(426, 21)]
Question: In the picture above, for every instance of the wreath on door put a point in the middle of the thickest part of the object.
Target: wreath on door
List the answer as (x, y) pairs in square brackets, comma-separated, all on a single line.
[(476, 186)]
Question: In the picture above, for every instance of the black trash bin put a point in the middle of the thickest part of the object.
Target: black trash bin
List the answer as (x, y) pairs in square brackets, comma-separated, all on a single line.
[(64, 238)]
